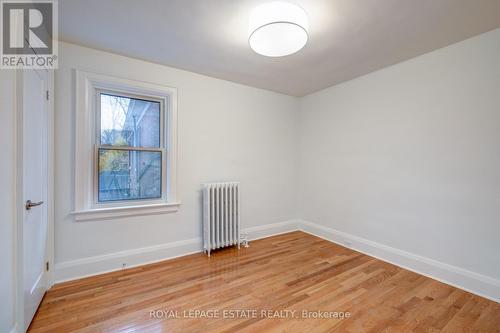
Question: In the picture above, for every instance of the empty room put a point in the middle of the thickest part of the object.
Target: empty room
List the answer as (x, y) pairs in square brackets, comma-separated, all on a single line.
[(250, 166)]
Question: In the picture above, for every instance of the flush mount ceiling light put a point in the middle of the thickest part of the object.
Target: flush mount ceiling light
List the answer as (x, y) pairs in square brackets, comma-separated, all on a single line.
[(278, 29)]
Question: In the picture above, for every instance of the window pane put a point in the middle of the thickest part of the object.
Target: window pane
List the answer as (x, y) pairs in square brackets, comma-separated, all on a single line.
[(129, 175), (129, 121)]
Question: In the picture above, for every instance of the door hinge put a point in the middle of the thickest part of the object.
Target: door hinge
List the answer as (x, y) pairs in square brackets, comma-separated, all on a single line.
[(47, 95), (47, 266)]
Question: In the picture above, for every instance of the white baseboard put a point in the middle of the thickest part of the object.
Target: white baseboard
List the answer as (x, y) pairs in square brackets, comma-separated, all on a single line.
[(79, 268), (269, 230), (75, 269), (475, 283), (472, 282)]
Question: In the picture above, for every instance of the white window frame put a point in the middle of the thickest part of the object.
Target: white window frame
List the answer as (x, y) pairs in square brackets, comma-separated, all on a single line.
[(88, 86)]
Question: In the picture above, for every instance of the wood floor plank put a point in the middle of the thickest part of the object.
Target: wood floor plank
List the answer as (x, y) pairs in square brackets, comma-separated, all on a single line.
[(294, 272)]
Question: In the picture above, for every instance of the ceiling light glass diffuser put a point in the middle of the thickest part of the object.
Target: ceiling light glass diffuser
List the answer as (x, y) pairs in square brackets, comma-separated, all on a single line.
[(278, 29)]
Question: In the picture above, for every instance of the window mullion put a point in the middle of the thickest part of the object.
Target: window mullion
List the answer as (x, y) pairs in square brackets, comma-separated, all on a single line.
[(129, 148)]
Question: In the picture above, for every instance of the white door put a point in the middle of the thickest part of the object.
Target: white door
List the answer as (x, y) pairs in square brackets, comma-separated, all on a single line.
[(35, 182)]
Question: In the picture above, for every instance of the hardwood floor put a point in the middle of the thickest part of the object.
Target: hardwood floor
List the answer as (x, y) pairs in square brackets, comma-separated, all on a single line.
[(293, 272)]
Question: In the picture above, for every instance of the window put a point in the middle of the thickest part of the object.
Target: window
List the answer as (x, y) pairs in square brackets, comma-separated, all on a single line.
[(131, 129), (129, 150)]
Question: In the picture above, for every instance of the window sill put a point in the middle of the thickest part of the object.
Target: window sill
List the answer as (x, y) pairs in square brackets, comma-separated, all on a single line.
[(125, 211)]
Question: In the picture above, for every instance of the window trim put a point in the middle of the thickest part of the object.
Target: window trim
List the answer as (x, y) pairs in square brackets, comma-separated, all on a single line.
[(88, 86)]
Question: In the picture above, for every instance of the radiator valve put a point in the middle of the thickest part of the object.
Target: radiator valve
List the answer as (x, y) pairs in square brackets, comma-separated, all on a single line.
[(244, 239)]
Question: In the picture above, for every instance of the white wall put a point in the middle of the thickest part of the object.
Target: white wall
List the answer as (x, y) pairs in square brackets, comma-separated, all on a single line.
[(226, 131), (7, 172), (409, 156)]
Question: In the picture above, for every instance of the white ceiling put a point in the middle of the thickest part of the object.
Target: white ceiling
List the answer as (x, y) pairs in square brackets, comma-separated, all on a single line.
[(348, 38)]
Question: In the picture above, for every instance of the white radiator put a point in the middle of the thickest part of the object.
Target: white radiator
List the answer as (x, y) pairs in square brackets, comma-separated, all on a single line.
[(221, 215)]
